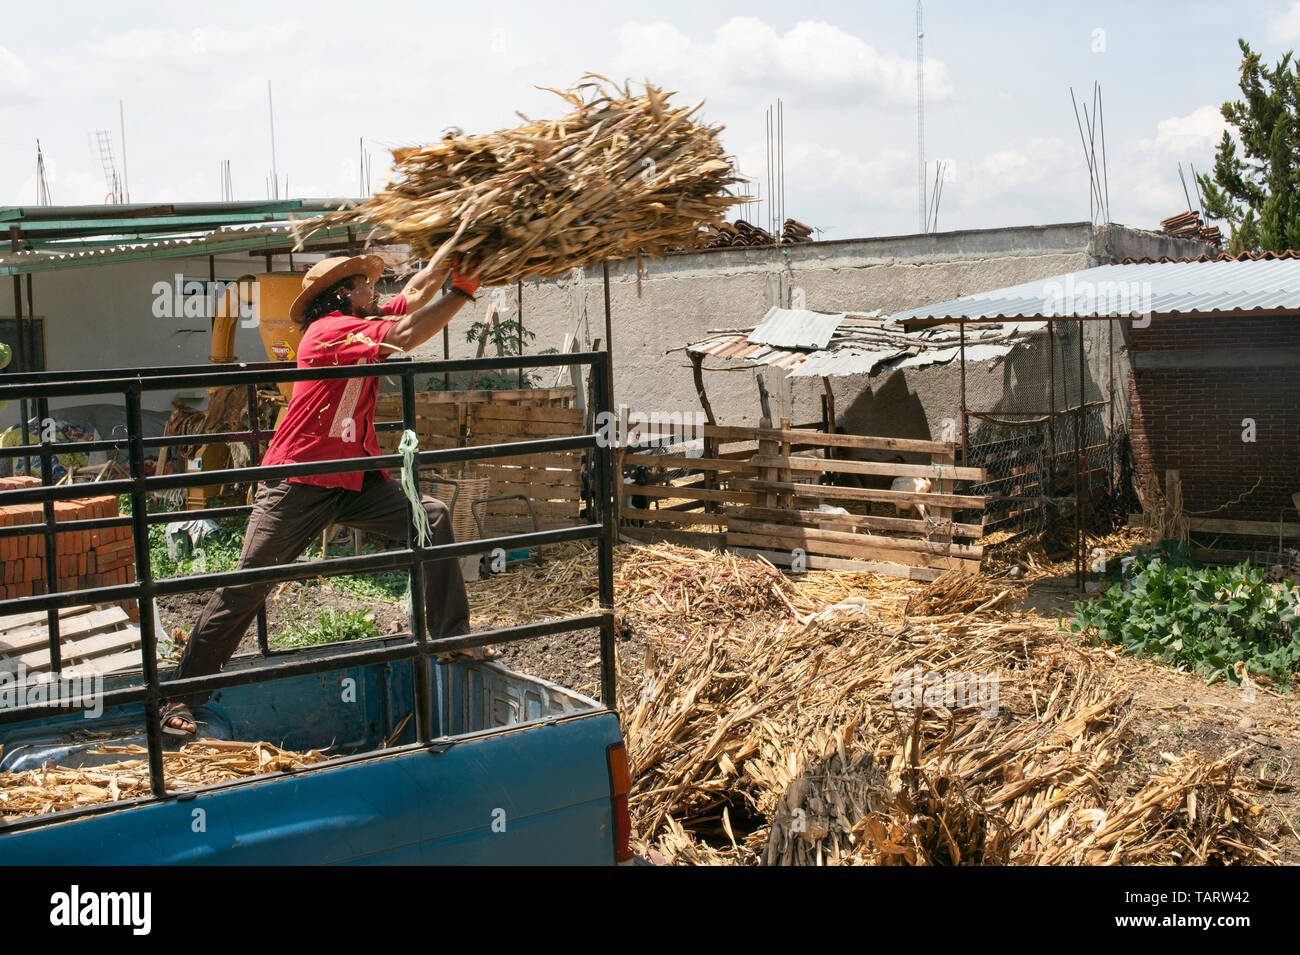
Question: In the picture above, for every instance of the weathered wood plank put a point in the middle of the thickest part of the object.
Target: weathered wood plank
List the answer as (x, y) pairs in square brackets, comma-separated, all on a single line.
[(817, 562), (866, 494), (690, 493), (672, 517), (821, 518), (838, 549), (821, 439), (883, 468), (695, 464), (943, 548)]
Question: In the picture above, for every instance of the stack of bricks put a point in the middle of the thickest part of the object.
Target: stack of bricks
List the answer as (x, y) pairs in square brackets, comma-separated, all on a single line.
[(98, 558)]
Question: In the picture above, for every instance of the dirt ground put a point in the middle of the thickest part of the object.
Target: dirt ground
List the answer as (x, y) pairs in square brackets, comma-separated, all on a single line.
[(1177, 712), (571, 660), (1174, 712)]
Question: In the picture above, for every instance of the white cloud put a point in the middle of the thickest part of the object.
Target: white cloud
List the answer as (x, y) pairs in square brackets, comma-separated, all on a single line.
[(1286, 27), (813, 59), (15, 79), (1178, 136), (1040, 159), (180, 46)]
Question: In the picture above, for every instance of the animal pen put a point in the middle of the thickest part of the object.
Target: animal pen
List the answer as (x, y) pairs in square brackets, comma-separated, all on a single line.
[(1040, 458)]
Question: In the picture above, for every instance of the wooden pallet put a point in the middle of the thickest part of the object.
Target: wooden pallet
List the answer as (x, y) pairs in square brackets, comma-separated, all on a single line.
[(94, 638)]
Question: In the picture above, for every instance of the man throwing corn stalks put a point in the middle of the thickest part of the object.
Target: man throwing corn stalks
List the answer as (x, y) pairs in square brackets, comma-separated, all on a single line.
[(327, 421)]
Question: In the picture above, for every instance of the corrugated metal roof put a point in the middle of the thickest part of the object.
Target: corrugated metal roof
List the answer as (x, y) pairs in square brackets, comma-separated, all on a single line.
[(1231, 286), (861, 345), (795, 328), (233, 238)]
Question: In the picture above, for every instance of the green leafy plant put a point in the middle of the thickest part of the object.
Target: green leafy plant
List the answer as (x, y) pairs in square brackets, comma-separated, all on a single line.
[(328, 626), (1206, 619), (215, 554)]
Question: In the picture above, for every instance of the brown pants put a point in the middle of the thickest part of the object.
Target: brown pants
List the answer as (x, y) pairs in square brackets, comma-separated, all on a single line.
[(286, 517)]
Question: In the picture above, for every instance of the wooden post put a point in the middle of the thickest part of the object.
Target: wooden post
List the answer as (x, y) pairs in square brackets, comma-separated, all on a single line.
[(828, 402), (787, 498), (943, 462), (710, 444), (767, 447)]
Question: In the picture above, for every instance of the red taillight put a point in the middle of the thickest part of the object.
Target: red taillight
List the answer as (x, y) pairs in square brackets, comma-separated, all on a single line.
[(620, 782)]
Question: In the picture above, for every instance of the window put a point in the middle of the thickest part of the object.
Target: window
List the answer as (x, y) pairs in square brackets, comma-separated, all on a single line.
[(33, 342)]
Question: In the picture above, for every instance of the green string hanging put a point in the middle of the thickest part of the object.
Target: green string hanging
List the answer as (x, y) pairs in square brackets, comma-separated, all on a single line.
[(408, 447)]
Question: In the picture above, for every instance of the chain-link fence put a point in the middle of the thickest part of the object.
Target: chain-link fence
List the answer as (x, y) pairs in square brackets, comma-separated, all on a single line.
[(1052, 434)]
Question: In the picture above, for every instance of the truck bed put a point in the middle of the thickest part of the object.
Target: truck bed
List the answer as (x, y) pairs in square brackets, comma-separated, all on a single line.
[(517, 773)]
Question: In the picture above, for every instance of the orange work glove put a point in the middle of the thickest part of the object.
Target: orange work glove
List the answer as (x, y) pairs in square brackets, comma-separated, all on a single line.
[(464, 277)]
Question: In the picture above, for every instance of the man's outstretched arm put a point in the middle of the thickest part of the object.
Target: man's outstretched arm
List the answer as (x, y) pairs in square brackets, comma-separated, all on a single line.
[(422, 288), (419, 325)]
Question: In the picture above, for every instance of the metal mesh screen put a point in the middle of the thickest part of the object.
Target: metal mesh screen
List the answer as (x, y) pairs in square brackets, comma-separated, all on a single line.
[(1055, 433)]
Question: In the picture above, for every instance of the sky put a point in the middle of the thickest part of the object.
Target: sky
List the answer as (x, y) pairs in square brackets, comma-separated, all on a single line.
[(192, 79)]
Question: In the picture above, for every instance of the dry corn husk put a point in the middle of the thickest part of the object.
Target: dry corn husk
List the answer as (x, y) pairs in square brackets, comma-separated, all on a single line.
[(35, 792), (796, 728), (958, 592), (620, 175)]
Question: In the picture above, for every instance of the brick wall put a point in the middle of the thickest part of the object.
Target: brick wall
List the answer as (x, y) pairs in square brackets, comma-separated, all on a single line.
[(85, 559), (1191, 418)]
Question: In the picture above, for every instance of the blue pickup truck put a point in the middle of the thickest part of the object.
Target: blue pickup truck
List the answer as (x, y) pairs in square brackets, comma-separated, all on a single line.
[(437, 762), (519, 771)]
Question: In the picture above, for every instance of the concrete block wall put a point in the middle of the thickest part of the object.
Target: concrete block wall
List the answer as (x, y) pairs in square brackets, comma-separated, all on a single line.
[(668, 303)]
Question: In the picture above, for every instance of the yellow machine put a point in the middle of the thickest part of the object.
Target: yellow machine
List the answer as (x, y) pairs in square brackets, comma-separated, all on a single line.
[(269, 296), (266, 297)]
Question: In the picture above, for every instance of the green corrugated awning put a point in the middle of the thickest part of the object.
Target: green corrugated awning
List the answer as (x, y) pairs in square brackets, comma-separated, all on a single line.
[(270, 236)]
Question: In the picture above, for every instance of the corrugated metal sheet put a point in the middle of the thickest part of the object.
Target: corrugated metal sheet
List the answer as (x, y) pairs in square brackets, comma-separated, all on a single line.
[(839, 363), (861, 345), (795, 328), (234, 238), (1155, 288)]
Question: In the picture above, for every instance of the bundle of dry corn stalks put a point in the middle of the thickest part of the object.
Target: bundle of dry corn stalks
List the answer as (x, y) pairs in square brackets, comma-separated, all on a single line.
[(621, 175), (702, 586), (957, 592), (667, 587), (943, 740), (35, 792)]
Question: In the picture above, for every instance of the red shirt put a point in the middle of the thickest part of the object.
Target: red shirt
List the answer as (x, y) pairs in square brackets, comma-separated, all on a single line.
[(331, 420)]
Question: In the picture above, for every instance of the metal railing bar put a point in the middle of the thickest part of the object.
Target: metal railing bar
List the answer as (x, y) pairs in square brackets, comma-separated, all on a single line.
[(98, 376), (327, 567), (423, 690), (125, 378), (144, 588), (266, 672), (165, 482), (50, 560)]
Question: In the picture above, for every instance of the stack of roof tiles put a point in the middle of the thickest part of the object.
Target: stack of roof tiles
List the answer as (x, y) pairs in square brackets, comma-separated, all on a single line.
[(796, 231), (1188, 225), (741, 233)]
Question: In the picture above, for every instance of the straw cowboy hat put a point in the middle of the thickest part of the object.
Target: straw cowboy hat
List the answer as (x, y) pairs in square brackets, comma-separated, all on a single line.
[(325, 273)]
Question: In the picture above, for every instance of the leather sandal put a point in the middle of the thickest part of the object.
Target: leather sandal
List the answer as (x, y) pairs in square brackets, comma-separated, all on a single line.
[(178, 713)]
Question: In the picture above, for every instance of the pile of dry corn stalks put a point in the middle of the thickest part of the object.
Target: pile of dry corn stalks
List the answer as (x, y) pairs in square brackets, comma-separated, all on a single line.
[(665, 588), (620, 175), (35, 792), (949, 739)]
